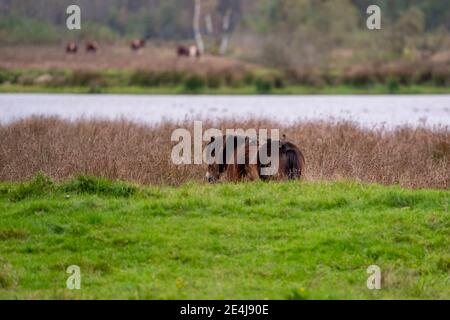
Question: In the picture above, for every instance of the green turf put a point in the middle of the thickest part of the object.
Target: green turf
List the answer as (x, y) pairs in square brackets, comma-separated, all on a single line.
[(288, 240)]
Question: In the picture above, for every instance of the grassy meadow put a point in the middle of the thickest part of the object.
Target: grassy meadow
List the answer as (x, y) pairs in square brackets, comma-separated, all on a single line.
[(289, 240)]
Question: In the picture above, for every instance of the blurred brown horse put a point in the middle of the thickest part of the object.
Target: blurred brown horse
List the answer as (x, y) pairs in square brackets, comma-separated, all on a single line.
[(137, 44), (192, 51), (91, 46), (71, 47), (182, 51)]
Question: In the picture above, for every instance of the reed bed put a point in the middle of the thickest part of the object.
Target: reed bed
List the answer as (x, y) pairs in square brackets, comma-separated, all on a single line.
[(61, 149)]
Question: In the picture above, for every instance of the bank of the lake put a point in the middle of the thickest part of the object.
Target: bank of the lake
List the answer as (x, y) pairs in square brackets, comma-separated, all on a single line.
[(244, 90)]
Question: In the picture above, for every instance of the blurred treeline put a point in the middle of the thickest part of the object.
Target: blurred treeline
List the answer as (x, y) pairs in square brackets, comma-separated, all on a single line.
[(293, 34)]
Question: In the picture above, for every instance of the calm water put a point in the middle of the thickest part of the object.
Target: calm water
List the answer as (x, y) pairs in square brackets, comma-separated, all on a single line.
[(367, 110)]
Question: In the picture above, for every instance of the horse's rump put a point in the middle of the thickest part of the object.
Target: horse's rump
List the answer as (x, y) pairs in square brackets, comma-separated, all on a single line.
[(292, 161)]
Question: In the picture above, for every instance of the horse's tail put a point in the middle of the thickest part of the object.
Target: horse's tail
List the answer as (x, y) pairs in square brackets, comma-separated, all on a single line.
[(292, 165), (295, 163)]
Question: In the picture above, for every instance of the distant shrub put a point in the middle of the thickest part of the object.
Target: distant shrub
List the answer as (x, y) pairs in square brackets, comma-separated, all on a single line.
[(423, 76), (95, 89), (441, 78), (359, 76), (213, 81), (194, 83), (230, 79), (278, 83), (263, 86), (85, 79), (170, 78), (25, 80), (361, 80), (331, 78), (143, 79), (312, 79), (393, 85), (3, 76), (249, 78)]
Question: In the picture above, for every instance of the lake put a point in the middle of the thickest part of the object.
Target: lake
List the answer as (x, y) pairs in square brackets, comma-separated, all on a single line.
[(367, 110)]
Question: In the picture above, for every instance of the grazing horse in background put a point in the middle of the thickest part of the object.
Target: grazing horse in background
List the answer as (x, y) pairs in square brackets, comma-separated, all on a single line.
[(91, 46), (291, 161), (194, 52), (137, 44), (71, 47), (182, 51)]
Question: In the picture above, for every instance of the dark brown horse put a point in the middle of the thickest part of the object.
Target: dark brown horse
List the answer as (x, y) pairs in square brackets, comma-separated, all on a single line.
[(91, 46), (291, 162), (71, 47), (182, 51), (137, 44)]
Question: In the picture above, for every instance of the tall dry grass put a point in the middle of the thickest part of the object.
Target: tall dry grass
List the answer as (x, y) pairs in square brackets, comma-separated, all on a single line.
[(411, 157)]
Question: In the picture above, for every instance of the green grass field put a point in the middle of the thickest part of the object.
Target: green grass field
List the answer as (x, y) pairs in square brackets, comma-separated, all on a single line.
[(288, 240)]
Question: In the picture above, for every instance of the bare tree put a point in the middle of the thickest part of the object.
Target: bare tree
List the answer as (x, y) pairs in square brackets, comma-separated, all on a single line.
[(197, 33), (209, 24), (225, 31)]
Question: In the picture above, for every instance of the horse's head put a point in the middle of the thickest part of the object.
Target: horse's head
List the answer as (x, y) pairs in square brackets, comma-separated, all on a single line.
[(215, 169), (212, 173)]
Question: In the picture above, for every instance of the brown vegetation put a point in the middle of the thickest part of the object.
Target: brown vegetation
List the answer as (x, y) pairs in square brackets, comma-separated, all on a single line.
[(119, 57), (157, 62), (411, 157)]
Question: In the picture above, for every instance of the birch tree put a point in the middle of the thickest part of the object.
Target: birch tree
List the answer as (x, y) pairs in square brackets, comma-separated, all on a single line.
[(197, 32), (225, 31)]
